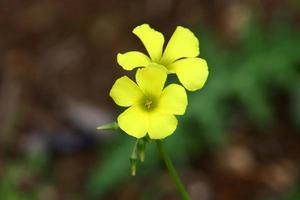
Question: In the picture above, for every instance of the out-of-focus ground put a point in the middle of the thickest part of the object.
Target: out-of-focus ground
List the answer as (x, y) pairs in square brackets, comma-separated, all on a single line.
[(238, 141)]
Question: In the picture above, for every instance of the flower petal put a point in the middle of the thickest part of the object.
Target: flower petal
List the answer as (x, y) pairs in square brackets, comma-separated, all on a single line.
[(134, 121), (183, 44), (173, 100), (125, 92), (152, 40), (191, 72), (151, 80), (132, 59), (161, 125)]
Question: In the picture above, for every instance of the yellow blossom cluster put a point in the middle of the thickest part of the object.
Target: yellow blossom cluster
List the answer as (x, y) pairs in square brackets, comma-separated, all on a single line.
[(152, 106)]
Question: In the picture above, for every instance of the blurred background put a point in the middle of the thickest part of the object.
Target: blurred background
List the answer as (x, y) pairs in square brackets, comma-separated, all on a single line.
[(239, 139)]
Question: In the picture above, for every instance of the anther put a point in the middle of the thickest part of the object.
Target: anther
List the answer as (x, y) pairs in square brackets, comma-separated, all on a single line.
[(148, 104)]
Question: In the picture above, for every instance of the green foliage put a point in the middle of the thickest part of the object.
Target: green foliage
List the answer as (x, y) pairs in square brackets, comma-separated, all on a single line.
[(293, 194), (243, 78), (264, 62), (16, 181), (10, 183), (114, 168)]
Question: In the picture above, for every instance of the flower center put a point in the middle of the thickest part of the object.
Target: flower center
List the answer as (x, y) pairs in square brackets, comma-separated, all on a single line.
[(148, 103)]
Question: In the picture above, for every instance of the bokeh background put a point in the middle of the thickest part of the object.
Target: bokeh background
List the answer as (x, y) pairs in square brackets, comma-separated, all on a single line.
[(240, 137)]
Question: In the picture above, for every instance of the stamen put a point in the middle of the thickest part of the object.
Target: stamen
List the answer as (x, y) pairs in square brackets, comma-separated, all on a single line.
[(148, 103)]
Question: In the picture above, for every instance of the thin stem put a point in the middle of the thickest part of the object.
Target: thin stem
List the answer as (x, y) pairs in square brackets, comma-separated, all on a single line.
[(134, 148), (172, 171)]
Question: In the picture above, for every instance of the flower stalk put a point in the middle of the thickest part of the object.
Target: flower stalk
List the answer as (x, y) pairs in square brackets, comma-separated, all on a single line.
[(172, 171)]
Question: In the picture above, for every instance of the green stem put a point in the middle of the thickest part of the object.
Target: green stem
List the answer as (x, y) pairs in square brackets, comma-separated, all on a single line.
[(172, 171)]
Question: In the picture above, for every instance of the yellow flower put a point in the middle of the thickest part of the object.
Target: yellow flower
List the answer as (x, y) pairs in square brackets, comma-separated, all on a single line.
[(179, 56), (151, 106)]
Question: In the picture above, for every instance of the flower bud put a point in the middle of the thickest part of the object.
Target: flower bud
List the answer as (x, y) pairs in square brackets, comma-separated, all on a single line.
[(133, 162), (109, 127)]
